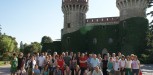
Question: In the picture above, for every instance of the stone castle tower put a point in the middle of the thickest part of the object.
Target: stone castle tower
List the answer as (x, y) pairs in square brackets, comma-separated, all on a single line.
[(74, 14), (131, 8), (125, 33)]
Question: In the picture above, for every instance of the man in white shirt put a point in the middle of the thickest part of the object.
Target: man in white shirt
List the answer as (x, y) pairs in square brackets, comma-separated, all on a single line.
[(41, 61)]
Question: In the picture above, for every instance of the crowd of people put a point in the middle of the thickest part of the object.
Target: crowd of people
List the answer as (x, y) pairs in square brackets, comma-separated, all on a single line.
[(74, 64)]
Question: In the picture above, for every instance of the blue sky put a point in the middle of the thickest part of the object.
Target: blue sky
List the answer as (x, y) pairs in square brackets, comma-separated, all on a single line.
[(30, 20)]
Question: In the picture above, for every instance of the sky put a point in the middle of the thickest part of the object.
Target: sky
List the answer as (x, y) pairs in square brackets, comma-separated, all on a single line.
[(30, 20)]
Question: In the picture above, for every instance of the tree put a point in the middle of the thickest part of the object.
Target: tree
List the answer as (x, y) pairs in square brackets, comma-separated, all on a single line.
[(46, 39), (7, 43), (32, 48)]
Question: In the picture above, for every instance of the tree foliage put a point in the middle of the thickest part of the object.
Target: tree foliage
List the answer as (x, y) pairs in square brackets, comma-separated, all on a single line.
[(46, 39), (31, 48), (7, 43)]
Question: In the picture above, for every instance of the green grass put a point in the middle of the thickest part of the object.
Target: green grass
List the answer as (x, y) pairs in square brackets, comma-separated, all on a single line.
[(2, 63)]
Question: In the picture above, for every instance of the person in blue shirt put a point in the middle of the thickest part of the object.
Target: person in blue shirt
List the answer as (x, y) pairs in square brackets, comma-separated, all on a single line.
[(94, 61), (36, 71)]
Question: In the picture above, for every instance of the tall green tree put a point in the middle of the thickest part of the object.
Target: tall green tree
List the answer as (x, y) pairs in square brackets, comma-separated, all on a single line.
[(32, 48), (7, 43), (46, 39)]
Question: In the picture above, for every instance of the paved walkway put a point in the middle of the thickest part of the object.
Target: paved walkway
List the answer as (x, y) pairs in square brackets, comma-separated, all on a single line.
[(146, 69), (5, 70)]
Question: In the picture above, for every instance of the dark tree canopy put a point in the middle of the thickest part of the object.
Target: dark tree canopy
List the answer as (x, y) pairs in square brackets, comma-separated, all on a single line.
[(46, 39)]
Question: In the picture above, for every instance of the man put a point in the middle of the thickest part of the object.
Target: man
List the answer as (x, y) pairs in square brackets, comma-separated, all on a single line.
[(94, 61), (20, 61), (41, 61), (67, 59)]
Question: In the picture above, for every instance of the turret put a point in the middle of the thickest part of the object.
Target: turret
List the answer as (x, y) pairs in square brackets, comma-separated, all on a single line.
[(74, 14), (131, 8)]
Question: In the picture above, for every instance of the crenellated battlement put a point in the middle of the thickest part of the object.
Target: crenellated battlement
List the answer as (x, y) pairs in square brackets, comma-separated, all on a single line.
[(102, 20), (78, 1), (131, 8)]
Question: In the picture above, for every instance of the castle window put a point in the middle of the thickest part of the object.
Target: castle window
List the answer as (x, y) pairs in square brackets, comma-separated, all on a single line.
[(124, 24), (68, 25)]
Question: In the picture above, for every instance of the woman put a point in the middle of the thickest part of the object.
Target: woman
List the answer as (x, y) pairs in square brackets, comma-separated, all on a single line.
[(46, 70), (128, 66), (73, 64), (97, 71), (116, 66), (60, 61), (67, 71), (77, 70), (135, 66), (110, 66), (13, 63), (122, 65)]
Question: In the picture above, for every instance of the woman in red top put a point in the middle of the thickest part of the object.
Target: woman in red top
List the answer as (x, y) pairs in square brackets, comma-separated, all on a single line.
[(61, 63), (83, 63)]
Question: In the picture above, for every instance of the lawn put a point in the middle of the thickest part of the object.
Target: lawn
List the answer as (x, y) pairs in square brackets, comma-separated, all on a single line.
[(2, 63)]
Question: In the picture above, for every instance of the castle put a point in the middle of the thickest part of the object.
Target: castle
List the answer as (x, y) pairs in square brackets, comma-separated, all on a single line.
[(125, 33)]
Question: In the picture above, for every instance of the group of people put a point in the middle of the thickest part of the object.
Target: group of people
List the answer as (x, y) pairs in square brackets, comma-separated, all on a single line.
[(74, 64)]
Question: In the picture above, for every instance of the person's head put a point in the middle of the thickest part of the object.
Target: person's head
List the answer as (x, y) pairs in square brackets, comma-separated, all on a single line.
[(99, 55), (66, 53), (57, 57), (28, 54), (90, 55), (111, 59), (94, 56), (119, 54), (132, 56), (20, 55), (71, 53), (55, 53), (78, 54), (82, 55), (128, 57), (61, 57), (96, 68), (32, 57), (74, 55), (67, 68), (77, 67), (63, 54), (36, 66), (123, 57), (14, 54), (117, 58), (113, 55), (135, 57)]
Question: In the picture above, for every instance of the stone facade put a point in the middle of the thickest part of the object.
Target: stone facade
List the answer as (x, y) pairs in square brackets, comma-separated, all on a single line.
[(131, 8), (75, 13)]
